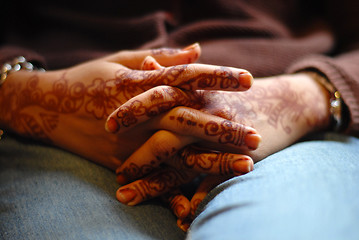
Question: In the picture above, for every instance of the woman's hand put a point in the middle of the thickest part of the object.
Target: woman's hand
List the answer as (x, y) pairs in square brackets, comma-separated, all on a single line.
[(282, 109), (68, 107)]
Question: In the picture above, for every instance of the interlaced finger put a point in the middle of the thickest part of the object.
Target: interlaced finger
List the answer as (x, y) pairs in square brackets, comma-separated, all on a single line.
[(207, 184), (150, 104), (212, 162), (177, 202), (154, 185), (155, 151)]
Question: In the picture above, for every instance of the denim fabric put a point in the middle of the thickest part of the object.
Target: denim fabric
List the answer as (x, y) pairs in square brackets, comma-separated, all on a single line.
[(47, 193), (307, 191)]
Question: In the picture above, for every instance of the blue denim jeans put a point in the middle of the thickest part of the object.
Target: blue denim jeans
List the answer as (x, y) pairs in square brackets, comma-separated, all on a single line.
[(307, 191)]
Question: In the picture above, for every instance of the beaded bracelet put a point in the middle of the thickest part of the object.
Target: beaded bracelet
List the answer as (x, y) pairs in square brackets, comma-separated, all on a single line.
[(335, 102), (15, 65)]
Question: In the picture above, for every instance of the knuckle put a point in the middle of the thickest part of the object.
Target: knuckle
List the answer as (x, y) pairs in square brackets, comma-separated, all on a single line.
[(161, 144), (186, 119), (164, 98), (161, 94), (192, 70)]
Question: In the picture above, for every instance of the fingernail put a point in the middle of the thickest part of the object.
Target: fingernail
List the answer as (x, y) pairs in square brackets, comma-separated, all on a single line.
[(252, 140), (126, 195), (183, 224), (246, 79), (179, 211), (242, 165), (191, 47), (121, 179), (111, 125)]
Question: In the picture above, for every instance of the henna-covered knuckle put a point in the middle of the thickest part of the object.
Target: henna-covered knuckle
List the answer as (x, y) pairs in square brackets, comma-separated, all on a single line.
[(186, 119), (233, 133), (227, 132), (160, 145), (195, 159), (169, 76), (178, 206), (157, 184), (225, 164), (167, 179), (154, 102), (201, 76), (133, 171), (177, 202)]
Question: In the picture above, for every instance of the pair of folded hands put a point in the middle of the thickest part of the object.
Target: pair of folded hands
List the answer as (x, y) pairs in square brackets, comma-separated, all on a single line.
[(160, 120)]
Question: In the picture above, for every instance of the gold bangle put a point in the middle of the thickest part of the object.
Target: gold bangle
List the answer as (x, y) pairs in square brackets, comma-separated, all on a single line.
[(335, 102)]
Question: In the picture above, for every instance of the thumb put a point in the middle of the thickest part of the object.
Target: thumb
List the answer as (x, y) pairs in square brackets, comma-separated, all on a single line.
[(164, 56)]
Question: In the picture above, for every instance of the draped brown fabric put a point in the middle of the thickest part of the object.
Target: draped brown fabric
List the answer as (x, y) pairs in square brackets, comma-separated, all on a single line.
[(266, 37)]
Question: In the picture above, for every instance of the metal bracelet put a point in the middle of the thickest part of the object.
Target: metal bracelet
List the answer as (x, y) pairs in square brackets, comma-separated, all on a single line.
[(16, 65), (335, 102)]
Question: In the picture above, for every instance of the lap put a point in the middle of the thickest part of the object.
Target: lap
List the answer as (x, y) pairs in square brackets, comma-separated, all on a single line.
[(47, 193), (307, 191)]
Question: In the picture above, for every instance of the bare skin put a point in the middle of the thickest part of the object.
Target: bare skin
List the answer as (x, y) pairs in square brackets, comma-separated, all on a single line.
[(282, 109), (68, 108), (77, 100)]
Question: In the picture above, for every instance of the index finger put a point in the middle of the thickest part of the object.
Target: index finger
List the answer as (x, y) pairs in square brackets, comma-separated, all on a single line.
[(193, 77)]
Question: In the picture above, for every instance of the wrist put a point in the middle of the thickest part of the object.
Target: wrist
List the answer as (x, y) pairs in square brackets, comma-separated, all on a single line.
[(15, 95), (9, 94), (336, 104), (287, 107), (317, 98), (295, 104)]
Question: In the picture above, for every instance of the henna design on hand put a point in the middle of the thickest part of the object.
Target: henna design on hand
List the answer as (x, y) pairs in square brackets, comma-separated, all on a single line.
[(98, 97), (223, 75), (190, 158), (194, 206), (95, 99), (280, 104), (226, 132), (162, 100), (226, 164), (158, 183), (175, 200)]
